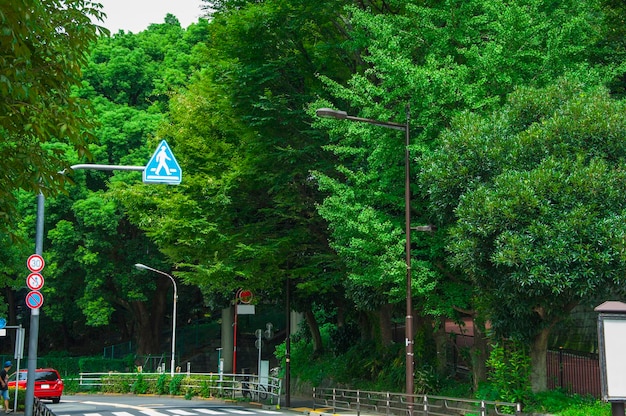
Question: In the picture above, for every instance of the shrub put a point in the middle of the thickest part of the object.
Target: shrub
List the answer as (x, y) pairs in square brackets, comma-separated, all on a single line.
[(592, 409), (565, 404), (162, 385), (205, 388), (139, 386), (71, 385), (21, 398), (175, 383), (117, 383), (103, 365), (189, 393), (510, 371)]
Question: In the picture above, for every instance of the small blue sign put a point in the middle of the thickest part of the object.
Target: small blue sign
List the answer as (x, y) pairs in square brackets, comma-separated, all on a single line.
[(163, 167), (3, 323)]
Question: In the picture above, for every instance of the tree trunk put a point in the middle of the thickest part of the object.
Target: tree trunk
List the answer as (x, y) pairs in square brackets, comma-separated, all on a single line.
[(318, 346), (341, 314), (365, 327), (384, 319), (148, 340), (478, 354), (149, 320), (441, 344), (424, 347), (538, 354)]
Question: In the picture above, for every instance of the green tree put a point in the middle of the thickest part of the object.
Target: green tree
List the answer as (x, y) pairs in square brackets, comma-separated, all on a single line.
[(440, 58), (44, 44), (245, 214), (93, 245), (536, 189), (16, 244)]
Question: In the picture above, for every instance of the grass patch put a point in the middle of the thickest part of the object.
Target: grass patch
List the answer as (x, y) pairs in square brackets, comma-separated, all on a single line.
[(561, 403)]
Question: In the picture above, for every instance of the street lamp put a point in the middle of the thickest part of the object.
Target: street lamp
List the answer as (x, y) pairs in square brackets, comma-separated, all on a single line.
[(144, 267), (342, 115)]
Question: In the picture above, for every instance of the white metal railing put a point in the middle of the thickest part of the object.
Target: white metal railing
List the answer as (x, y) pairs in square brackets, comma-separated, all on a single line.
[(233, 386), (388, 403)]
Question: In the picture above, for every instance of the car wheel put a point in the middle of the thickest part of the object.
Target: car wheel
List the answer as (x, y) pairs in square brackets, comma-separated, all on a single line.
[(56, 400)]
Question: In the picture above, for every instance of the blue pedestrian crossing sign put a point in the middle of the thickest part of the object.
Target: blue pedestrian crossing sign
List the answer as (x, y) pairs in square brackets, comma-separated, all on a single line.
[(163, 167)]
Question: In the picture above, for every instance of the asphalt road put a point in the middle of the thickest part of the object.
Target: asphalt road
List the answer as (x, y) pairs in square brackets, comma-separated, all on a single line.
[(130, 405)]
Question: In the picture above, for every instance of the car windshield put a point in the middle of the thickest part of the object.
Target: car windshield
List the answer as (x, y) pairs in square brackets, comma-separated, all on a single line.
[(39, 376), (46, 376), (14, 375)]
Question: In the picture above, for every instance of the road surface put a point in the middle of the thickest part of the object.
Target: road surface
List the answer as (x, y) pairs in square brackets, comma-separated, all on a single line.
[(130, 405)]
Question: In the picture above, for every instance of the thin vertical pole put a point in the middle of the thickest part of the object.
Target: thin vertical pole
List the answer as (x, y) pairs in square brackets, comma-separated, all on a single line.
[(409, 303), (235, 340), (34, 317), (288, 348), (561, 381), (617, 408), (173, 361)]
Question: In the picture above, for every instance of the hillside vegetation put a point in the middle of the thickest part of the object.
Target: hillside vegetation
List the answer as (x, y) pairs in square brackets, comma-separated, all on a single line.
[(515, 116)]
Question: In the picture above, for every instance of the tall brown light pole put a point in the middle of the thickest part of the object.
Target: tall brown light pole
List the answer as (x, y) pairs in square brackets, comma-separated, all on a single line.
[(408, 330)]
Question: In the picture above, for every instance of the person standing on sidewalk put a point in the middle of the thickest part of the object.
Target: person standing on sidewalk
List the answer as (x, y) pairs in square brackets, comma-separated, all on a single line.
[(4, 385)]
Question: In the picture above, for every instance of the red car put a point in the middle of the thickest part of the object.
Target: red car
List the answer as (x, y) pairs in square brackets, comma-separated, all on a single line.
[(48, 383)]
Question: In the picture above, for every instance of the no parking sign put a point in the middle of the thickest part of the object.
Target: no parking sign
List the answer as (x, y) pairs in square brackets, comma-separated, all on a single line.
[(34, 299)]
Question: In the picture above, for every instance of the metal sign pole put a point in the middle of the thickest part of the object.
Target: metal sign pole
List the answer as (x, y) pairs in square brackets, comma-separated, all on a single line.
[(34, 316), (19, 353)]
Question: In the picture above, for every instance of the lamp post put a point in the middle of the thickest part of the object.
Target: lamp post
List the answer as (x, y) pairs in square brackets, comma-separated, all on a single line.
[(173, 361), (342, 115)]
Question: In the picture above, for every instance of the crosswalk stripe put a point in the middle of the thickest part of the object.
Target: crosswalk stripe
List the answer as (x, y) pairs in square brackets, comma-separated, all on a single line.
[(209, 411), (183, 412), (150, 412)]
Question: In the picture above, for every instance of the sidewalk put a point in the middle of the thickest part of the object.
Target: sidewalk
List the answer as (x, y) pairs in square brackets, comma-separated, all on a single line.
[(304, 405)]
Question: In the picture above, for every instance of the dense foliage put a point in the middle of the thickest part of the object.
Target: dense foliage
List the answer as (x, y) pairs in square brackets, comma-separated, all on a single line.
[(44, 46), (515, 114)]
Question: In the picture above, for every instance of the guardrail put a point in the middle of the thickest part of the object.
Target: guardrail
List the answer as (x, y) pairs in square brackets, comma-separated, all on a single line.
[(399, 404), (234, 386), (40, 409)]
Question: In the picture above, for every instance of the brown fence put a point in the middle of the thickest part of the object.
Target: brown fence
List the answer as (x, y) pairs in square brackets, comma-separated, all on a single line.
[(574, 372)]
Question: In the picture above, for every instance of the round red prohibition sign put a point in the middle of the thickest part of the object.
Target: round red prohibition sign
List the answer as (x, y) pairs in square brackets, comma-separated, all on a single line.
[(34, 281), (34, 299), (245, 296), (35, 263)]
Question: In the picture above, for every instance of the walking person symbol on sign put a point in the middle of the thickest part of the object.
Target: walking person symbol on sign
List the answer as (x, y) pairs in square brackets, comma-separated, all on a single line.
[(163, 167), (162, 159)]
